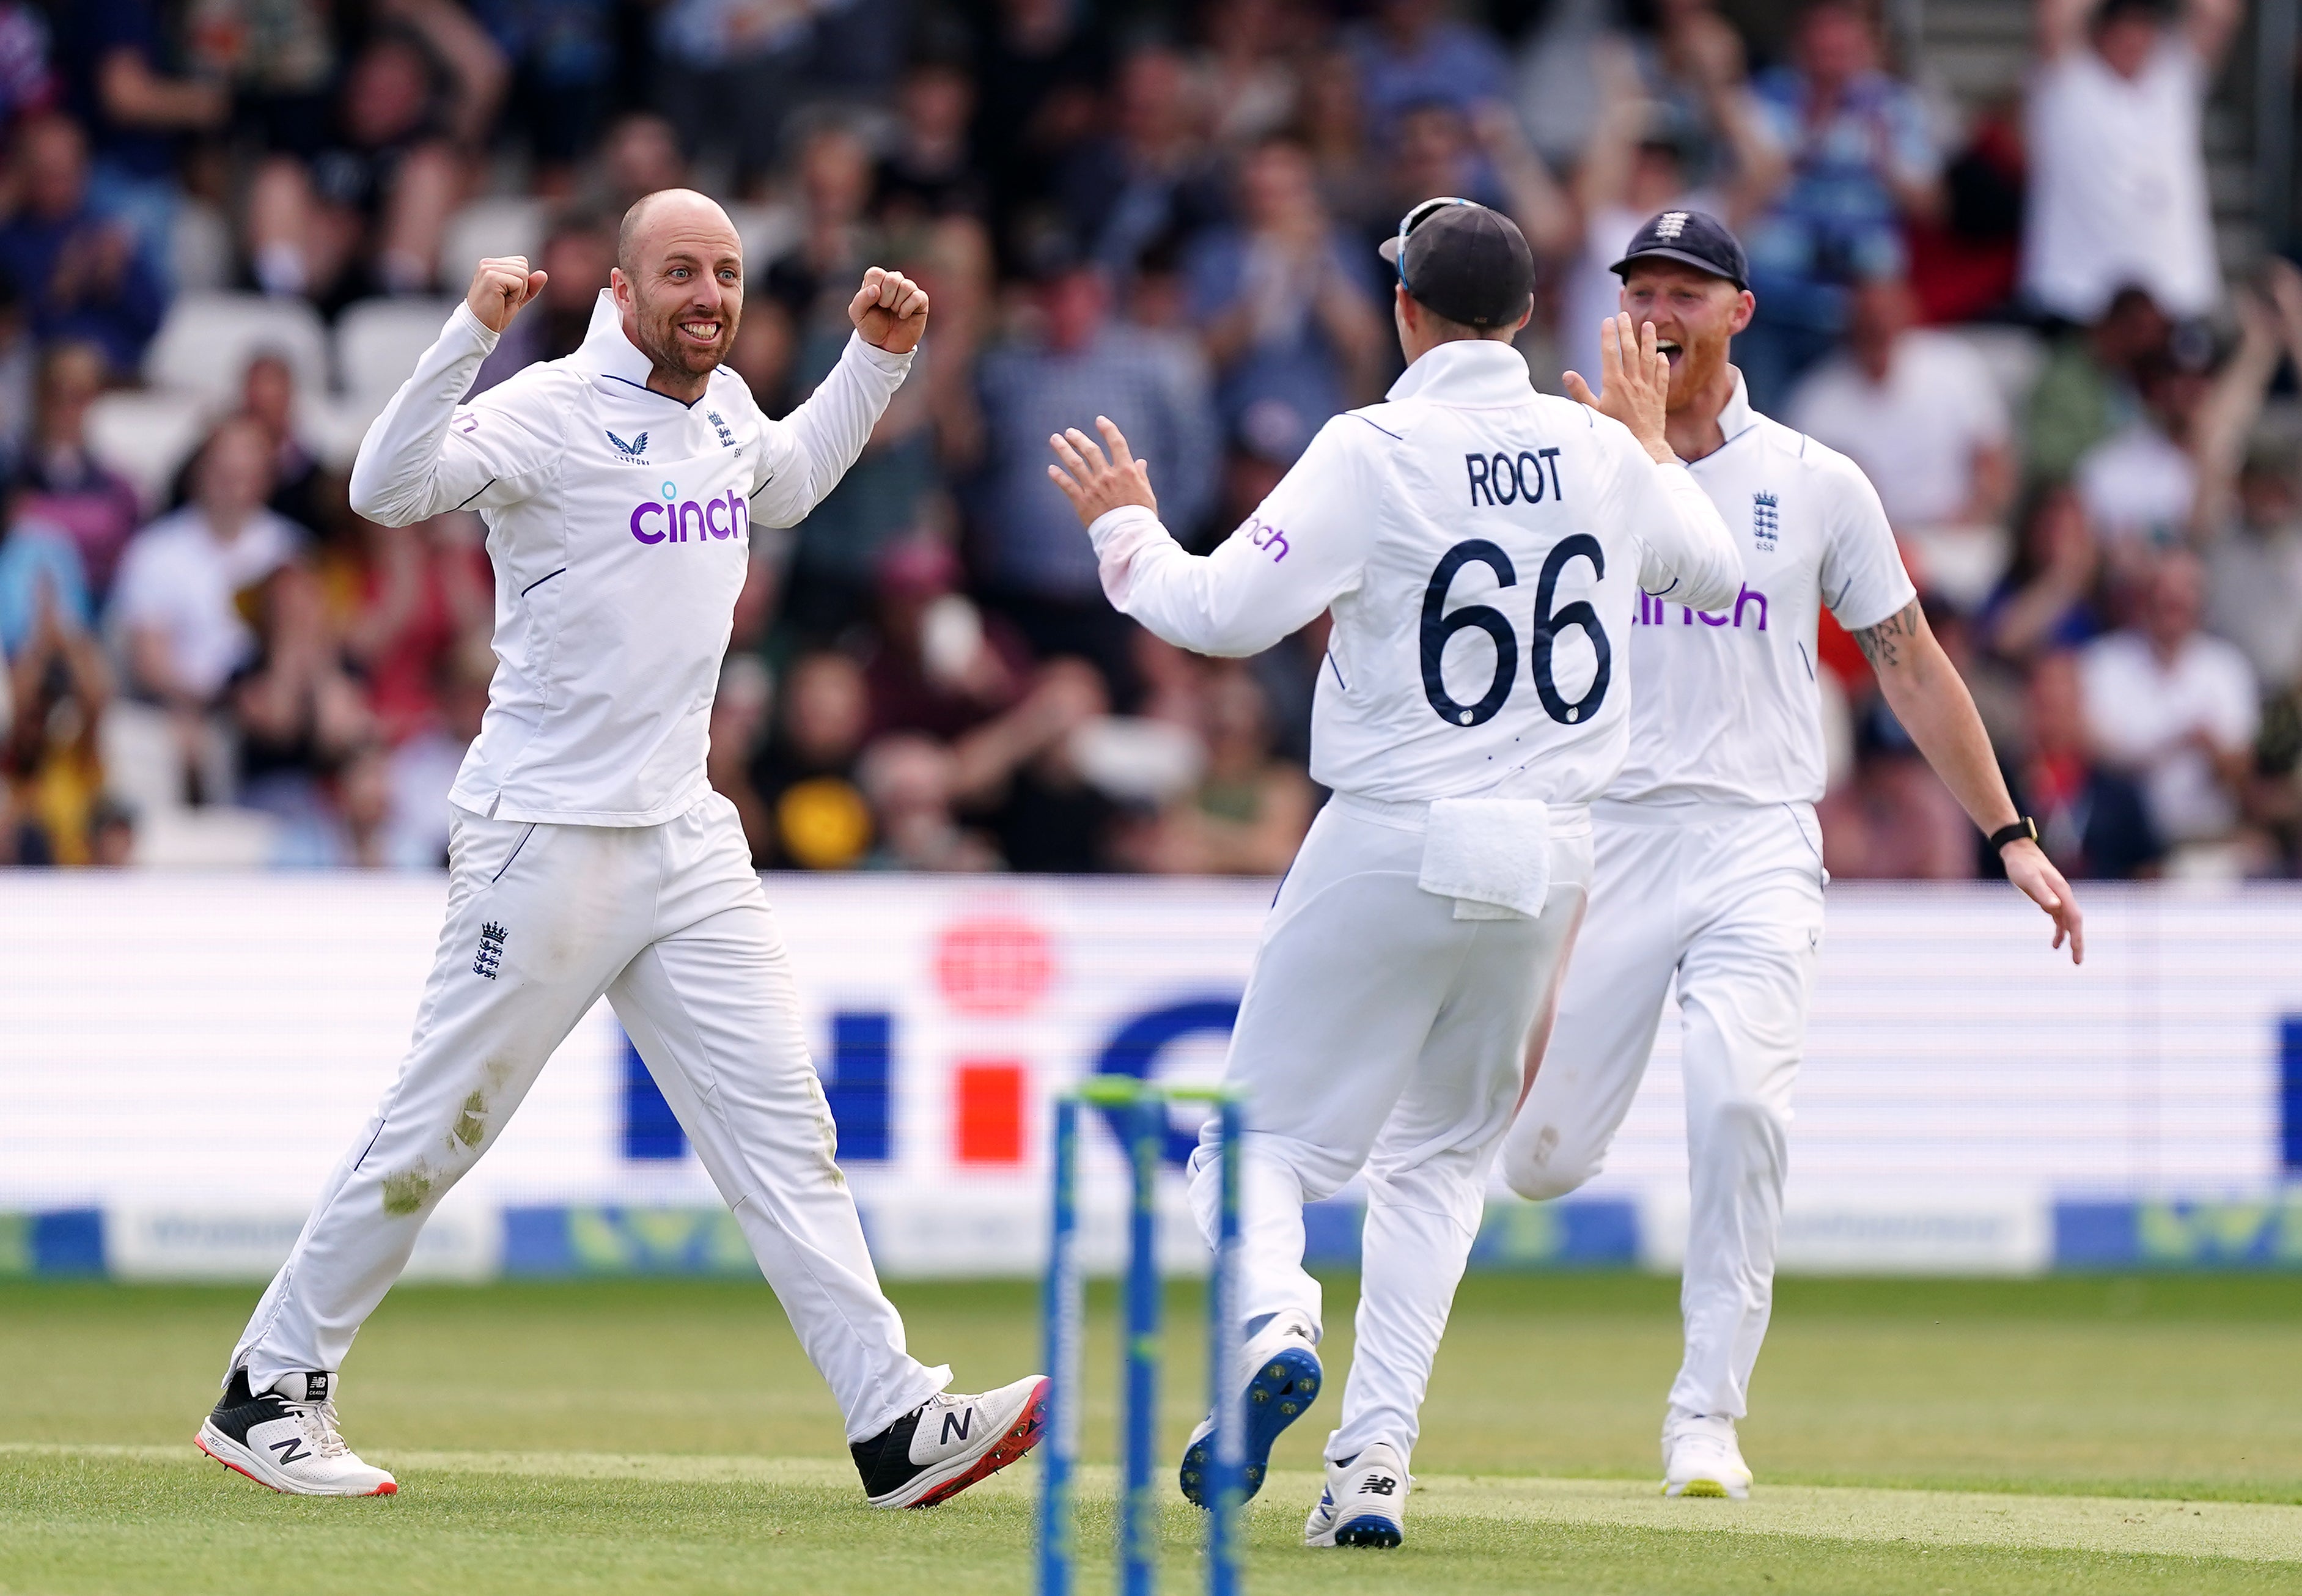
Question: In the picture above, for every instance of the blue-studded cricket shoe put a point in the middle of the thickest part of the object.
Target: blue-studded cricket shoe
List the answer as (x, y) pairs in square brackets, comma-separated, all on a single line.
[(1282, 1381)]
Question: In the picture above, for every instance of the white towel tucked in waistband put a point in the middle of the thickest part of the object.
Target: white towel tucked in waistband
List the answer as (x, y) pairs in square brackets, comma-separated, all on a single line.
[(1490, 855)]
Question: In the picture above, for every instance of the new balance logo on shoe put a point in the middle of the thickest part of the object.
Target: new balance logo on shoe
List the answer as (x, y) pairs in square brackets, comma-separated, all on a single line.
[(488, 958), (956, 1423), (1379, 1485), (291, 1450)]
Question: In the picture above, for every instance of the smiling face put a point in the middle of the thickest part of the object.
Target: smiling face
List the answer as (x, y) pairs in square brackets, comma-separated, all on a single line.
[(679, 283), (1695, 318)]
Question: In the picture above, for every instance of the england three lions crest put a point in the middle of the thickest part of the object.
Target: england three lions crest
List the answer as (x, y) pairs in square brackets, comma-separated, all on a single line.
[(1766, 522)]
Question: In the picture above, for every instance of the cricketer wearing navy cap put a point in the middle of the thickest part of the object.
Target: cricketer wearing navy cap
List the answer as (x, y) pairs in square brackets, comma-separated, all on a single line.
[(1693, 238), (1469, 263), (1706, 871)]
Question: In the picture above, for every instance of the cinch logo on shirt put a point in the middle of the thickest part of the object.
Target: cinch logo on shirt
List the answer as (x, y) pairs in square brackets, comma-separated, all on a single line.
[(1653, 612), (671, 520)]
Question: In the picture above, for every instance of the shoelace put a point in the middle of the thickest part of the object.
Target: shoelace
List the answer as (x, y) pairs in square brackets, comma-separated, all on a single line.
[(318, 1422)]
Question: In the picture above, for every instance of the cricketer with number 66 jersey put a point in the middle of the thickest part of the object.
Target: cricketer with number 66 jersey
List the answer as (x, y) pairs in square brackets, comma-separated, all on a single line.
[(1484, 550)]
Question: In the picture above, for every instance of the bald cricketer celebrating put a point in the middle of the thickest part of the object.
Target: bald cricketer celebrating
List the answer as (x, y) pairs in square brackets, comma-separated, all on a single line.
[(588, 855)]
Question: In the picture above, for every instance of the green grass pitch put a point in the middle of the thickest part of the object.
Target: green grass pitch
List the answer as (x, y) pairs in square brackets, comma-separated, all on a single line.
[(2107, 1435)]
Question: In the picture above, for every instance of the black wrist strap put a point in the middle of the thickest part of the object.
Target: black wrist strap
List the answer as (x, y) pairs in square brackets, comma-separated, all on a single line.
[(2024, 830)]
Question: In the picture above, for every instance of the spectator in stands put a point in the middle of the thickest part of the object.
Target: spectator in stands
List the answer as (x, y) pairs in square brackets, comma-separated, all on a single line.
[(425, 594), (300, 715), (930, 173), (805, 777), (1288, 304), (267, 397), (640, 155), (2254, 571), (2159, 479), (2092, 820), (1039, 71), (173, 619), (1437, 149), (908, 780), (1862, 163), (1245, 75), (2175, 709), (2046, 600), (1919, 412), (1643, 156), (562, 56), (728, 72), (1248, 813), (280, 58), (79, 270), (1021, 776), (58, 685), (367, 213), (1964, 264), (941, 666), (2086, 389), (2118, 171), (113, 60), (1332, 125), (1038, 570), (1414, 52), (63, 485), (1150, 176)]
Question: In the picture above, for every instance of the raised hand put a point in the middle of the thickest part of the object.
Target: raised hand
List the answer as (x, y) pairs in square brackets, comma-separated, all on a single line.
[(1095, 485), (1633, 382), (889, 310), (499, 287)]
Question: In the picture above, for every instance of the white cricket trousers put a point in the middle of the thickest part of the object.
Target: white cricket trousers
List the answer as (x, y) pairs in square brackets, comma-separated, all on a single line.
[(1729, 898), (1380, 1033), (670, 921)]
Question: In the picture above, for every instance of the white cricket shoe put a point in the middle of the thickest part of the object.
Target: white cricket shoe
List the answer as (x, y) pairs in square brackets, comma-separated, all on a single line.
[(286, 1438), (1700, 1458), (948, 1443), (1365, 1503), (1279, 1368)]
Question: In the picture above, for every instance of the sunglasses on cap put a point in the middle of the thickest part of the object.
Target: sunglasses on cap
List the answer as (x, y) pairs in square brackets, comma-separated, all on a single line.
[(1415, 218)]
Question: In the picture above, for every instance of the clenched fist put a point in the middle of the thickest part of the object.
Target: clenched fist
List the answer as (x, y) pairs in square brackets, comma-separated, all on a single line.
[(499, 287), (889, 310)]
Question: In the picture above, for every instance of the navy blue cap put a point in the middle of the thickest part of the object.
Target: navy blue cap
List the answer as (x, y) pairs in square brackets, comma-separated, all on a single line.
[(1467, 263), (1693, 238)]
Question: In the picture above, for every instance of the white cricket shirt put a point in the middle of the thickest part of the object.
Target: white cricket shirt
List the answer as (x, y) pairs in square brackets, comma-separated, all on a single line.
[(1483, 547), (617, 522), (1724, 706)]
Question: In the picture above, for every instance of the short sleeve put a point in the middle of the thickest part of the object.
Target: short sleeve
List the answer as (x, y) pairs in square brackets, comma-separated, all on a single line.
[(1863, 581)]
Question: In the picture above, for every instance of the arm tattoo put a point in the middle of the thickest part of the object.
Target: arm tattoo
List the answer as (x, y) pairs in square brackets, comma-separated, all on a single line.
[(1885, 644)]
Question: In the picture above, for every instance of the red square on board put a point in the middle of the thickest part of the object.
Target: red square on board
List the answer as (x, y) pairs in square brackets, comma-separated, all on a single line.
[(988, 1113)]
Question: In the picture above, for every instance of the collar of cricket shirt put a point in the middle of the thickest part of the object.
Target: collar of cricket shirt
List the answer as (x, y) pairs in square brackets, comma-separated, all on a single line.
[(1468, 371), (1736, 415), (606, 352)]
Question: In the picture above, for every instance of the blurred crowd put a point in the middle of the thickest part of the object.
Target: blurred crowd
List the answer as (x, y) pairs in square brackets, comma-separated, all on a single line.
[(2014, 316)]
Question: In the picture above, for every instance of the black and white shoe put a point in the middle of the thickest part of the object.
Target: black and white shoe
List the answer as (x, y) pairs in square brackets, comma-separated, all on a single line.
[(1365, 1503), (286, 1439), (947, 1443)]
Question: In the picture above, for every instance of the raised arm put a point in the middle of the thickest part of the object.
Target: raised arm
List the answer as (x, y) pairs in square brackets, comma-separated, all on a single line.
[(416, 460), (1303, 546), (2062, 26), (2210, 25), (811, 448)]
